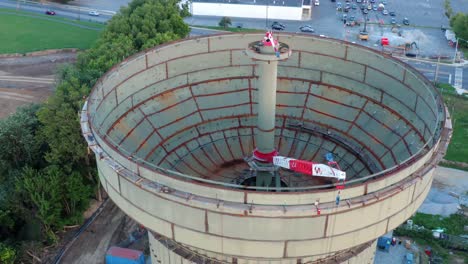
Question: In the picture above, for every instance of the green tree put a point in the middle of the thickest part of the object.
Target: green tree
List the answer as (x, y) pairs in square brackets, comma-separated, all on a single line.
[(42, 192), (18, 145), (57, 198), (7, 254), (185, 8), (225, 22), (459, 24), (448, 9), (47, 174)]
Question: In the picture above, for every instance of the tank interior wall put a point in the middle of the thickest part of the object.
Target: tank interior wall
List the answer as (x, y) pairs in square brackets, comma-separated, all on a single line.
[(376, 104)]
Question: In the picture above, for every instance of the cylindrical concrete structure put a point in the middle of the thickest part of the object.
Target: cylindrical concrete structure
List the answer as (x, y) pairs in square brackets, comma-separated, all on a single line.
[(267, 72), (170, 128)]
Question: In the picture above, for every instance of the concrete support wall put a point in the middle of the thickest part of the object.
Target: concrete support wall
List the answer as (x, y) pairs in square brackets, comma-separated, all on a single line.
[(165, 251), (264, 231)]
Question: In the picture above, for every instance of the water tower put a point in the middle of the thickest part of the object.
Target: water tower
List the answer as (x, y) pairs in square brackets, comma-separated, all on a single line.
[(185, 134)]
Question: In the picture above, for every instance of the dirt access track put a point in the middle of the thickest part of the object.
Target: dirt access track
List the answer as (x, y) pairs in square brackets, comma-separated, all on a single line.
[(29, 79)]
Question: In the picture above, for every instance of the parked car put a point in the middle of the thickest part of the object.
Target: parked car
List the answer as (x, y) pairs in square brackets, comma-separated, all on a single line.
[(365, 11), (375, 7), (392, 13), (278, 26), (93, 13), (306, 28), (344, 17), (405, 21), (369, 7), (316, 3), (358, 1), (354, 6), (338, 6), (50, 12), (385, 12), (393, 21), (363, 6)]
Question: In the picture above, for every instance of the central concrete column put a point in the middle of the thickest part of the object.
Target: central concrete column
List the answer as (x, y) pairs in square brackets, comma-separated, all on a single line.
[(266, 54), (267, 78)]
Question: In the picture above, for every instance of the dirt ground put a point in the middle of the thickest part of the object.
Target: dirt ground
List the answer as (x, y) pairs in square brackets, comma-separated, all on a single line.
[(111, 228), (29, 79)]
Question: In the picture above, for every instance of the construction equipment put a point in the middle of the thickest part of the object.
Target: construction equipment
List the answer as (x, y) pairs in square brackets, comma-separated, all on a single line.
[(411, 49), (451, 38), (332, 170), (363, 35)]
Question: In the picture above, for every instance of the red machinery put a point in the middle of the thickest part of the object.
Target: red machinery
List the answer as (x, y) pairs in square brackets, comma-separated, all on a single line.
[(332, 170)]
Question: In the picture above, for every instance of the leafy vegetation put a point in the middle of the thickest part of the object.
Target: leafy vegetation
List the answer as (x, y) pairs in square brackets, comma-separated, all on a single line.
[(225, 22), (458, 108), (47, 176), (440, 247), (21, 34), (459, 23), (7, 254), (448, 9), (453, 224)]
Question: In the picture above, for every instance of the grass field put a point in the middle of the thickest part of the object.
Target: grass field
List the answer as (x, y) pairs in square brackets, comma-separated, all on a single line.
[(458, 107), (22, 34)]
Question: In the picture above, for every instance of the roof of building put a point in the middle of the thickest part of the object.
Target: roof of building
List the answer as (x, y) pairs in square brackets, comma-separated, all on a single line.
[(124, 253), (294, 3)]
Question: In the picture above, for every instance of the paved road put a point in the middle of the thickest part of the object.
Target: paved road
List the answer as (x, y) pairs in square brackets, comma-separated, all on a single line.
[(325, 19), (61, 10), (447, 73), (112, 5)]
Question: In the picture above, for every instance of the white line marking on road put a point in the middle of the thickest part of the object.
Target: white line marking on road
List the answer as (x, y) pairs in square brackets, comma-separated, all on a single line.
[(458, 78)]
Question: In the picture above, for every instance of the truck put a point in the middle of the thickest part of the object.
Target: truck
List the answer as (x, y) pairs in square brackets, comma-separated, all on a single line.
[(451, 38), (384, 243), (118, 255)]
